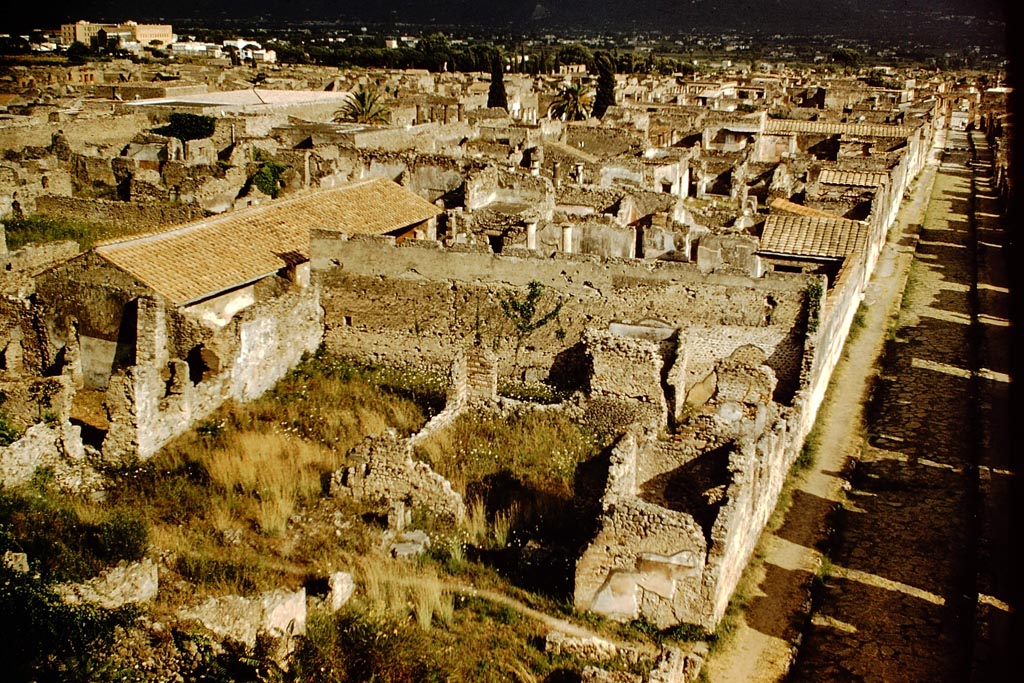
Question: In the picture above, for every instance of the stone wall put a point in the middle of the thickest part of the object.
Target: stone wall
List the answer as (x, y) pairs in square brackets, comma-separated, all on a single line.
[(59, 448), (384, 473), (646, 560), (417, 302), (680, 518), (156, 399), (133, 215), (35, 257), (116, 131)]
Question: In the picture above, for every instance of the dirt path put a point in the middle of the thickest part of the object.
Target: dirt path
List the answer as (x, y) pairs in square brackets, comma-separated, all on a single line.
[(768, 634), (550, 622)]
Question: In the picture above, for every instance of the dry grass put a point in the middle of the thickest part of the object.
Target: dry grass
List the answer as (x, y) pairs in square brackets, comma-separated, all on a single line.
[(475, 521), (266, 476), (504, 522), (221, 498), (541, 448), (401, 589)]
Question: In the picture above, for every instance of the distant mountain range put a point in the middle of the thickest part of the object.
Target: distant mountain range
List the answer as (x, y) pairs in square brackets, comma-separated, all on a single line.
[(855, 18)]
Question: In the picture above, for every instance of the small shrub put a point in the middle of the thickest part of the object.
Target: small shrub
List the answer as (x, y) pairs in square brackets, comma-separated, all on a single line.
[(268, 176), (356, 646), (8, 432), (124, 535), (185, 126)]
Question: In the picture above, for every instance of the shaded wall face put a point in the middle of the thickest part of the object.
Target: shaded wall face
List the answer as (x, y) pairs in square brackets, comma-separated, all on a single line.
[(90, 304)]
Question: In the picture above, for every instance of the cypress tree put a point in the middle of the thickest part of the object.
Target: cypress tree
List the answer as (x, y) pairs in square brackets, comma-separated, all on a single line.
[(496, 96), (605, 84)]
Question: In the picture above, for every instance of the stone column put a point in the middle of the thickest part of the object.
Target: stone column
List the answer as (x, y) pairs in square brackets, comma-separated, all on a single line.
[(531, 236), (150, 332), (567, 239)]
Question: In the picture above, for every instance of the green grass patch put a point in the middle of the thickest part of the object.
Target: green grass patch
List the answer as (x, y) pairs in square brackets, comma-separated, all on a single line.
[(541, 448), (68, 538), (36, 228)]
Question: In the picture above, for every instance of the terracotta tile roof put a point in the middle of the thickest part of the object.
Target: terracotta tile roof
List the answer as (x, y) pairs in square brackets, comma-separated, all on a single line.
[(370, 207), (785, 206), (813, 236), (782, 126), (200, 259), (835, 176)]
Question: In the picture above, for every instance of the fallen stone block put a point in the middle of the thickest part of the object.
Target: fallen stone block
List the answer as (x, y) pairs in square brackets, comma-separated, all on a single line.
[(123, 585)]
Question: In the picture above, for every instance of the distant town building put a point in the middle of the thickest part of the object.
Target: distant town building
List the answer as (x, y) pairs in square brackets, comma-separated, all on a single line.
[(87, 32), (250, 50)]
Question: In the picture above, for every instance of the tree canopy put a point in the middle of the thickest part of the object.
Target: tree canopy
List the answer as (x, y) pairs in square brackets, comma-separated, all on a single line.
[(496, 96), (605, 84), (186, 126)]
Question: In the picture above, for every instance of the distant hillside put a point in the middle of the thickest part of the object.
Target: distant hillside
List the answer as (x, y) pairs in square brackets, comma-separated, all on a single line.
[(856, 18)]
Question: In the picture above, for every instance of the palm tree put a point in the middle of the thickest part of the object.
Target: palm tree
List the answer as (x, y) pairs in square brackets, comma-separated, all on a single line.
[(574, 103), (364, 105)]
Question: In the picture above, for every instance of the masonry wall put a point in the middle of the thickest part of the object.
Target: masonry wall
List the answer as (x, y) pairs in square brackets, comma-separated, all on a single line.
[(94, 129), (258, 347), (134, 215), (416, 302), (758, 469), (646, 560)]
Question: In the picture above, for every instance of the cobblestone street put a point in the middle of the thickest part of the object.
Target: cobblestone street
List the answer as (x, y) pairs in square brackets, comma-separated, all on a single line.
[(900, 592)]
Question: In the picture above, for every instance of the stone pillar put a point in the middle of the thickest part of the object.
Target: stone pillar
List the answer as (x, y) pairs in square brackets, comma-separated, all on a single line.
[(419, 114), (531, 236), (150, 332), (474, 377), (567, 239), (459, 112)]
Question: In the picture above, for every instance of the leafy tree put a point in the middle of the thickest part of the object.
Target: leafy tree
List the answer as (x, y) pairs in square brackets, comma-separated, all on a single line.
[(574, 103), (364, 105), (496, 96), (78, 53), (524, 315), (605, 84), (186, 126), (576, 54), (846, 56), (436, 51)]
